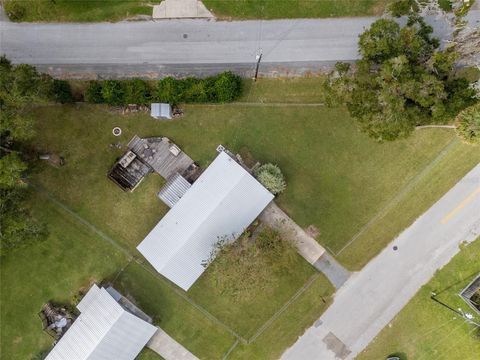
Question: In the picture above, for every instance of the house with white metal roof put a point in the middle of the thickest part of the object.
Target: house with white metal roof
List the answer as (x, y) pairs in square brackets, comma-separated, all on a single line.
[(104, 330), (220, 205)]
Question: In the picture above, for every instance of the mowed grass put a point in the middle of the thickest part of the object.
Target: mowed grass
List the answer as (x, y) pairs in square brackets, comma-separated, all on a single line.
[(80, 10), (285, 329), (70, 258), (426, 330), (183, 321), (73, 257), (282, 9), (338, 179)]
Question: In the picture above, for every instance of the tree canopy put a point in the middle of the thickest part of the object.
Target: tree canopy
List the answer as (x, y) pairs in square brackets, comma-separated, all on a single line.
[(468, 124), (19, 85), (401, 81)]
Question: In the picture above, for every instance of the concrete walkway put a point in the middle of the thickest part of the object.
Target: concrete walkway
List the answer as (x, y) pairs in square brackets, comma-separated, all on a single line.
[(335, 272), (307, 246), (181, 9), (168, 348), (371, 298)]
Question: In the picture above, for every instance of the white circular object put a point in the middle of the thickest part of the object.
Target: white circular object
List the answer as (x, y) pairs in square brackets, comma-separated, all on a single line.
[(117, 131)]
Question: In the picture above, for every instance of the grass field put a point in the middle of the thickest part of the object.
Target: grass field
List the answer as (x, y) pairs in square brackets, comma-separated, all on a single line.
[(79, 10), (424, 329), (281, 9), (338, 179), (56, 269)]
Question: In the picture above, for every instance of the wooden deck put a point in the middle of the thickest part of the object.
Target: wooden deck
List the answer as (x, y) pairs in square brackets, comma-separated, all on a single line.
[(163, 156)]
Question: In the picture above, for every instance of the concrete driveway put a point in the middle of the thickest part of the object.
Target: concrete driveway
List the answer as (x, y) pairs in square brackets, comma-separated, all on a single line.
[(371, 298)]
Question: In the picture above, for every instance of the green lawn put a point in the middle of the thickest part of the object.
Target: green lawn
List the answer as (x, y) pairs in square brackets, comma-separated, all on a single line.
[(287, 327), (80, 10), (173, 313), (281, 9), (72, 257), (424, 329), (338, 179)]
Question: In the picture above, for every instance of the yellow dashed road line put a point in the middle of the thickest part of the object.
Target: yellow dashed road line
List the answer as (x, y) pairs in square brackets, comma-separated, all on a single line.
[(460, 206)]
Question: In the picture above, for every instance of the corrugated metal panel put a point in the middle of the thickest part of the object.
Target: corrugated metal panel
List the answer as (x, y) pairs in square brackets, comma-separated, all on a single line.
[(104, 330), (220, 204), (161, 110), (174, 189)]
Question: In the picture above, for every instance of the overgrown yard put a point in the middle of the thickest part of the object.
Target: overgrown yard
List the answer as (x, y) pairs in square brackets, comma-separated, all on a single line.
[(76, 10), (425, 329), (281, 9)]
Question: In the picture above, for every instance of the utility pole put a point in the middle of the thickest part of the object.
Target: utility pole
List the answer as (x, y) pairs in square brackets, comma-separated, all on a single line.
[(465, 316), (258, 57)]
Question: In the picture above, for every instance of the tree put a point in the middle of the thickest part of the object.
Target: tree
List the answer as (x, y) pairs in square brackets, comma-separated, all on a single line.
[(228, 86), (19, 86), (402, 7), (270, 176), (93, 94), (401, 81), (113, 92), (136, 92), (468, 124), (61, 91)]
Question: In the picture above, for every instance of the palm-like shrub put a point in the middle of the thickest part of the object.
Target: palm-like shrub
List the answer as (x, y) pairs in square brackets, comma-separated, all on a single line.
[(468, 124), (271, 177)]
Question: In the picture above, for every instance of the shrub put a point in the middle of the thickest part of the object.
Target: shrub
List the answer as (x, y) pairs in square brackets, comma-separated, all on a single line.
[(14, 10), (112, 92), (228, 86), (271, 177), (169, 90), (62, 92), (468, 124), (402, 7), (137, 91), (93, 93)]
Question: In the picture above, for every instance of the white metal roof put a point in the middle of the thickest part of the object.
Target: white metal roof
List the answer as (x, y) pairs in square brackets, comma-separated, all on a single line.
[(161, 110), (104, 330), (222, 203)]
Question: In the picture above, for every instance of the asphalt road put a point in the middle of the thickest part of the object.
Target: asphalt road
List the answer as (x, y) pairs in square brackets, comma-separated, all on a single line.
[(181, 47), (371, 298)]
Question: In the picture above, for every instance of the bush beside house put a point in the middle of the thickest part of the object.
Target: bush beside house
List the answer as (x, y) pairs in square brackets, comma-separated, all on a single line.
[(271, 177)]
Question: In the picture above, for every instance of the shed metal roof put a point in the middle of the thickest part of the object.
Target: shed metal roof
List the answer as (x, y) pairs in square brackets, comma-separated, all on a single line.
[(161, 110), (104, 330), (221, 204)]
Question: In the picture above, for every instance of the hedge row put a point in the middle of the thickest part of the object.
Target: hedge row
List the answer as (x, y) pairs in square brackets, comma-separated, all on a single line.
[(223, 87)]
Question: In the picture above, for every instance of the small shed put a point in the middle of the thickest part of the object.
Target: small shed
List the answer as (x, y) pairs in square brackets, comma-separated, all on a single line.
[(161, 111)]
